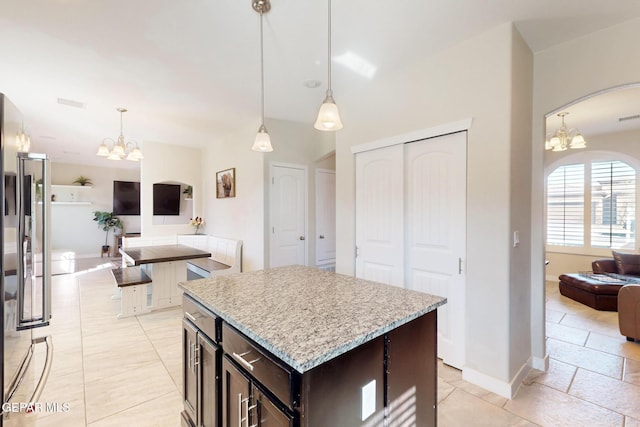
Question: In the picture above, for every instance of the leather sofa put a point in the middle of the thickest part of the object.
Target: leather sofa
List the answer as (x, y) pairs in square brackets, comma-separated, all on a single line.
[(599, 290), (594, 290), (614, 285), (629, 311)]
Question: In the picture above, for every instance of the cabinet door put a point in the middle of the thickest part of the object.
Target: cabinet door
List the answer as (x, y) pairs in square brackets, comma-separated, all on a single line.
[(266, 413), (208, 359), (189, 371), (235, 395)]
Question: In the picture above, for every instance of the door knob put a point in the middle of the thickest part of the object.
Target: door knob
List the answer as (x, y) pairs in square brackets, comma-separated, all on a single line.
[(301, 237), (321, 236)]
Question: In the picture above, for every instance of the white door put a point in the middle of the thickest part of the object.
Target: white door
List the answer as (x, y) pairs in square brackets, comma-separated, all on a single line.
[(325, 216), (380, 215), (436, 233), (288, 200)]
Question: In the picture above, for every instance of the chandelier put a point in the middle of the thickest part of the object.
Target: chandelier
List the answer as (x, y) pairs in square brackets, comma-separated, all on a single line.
[(564, 138), (120, 149)]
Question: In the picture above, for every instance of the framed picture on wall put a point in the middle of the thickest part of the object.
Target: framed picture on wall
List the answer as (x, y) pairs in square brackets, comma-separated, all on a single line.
[(226, 183)]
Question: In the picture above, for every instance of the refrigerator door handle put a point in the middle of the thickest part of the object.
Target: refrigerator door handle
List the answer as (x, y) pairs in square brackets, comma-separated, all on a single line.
[(46, 243), (27, 246), (46, 369)]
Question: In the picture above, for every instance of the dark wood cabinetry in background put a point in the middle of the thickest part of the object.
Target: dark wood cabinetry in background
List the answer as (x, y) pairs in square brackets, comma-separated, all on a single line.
[(201, 364)]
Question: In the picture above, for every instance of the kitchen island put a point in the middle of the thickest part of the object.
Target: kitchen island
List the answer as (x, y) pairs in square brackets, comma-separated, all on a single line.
[(297, 346)]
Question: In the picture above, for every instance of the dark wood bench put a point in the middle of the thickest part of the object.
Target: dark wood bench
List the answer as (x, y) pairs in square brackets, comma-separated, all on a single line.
[(130, 276), (204, 267), (132, 283)]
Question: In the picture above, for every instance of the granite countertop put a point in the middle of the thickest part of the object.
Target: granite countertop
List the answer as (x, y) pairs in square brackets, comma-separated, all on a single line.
[(306, 316)]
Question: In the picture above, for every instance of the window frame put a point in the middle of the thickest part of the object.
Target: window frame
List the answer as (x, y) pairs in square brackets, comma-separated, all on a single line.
[(587, 158)]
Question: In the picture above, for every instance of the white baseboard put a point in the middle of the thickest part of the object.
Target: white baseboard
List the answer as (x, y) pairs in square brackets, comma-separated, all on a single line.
[(494, 385)]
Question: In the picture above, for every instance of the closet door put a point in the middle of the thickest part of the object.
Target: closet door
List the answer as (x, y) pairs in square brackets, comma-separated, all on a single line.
[(288, 215), (380, 215), (436, 233), (325, 216)]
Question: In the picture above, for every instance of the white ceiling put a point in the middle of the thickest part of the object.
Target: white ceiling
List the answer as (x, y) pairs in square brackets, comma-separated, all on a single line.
[(188, 71)]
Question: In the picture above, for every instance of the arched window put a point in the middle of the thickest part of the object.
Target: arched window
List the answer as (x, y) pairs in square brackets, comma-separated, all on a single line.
[(591, 205)]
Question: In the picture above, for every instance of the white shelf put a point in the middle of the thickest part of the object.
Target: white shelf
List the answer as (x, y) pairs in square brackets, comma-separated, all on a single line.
[(71, 194), (70, 186), (69, 203)]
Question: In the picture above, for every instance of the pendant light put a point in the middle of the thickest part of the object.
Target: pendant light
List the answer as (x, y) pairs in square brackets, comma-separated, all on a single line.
[(23, 142), (328, 116), (263, 141)]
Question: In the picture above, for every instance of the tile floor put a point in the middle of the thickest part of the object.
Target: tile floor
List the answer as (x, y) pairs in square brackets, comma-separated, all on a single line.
[(127, 372), (593, 377)]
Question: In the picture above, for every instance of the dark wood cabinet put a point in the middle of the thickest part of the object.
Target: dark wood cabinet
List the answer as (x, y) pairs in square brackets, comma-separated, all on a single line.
[(189, 374), (245, 404), (209, 382), (231, 381), (236, 389), (267, 413), (201, 378)]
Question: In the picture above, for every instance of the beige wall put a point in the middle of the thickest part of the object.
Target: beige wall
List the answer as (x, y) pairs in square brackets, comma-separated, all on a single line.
[(520, 332), (472, 79), (167, 163), (240, 217)]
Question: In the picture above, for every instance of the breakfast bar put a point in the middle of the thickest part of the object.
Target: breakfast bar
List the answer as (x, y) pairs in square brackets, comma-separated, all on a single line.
[(166, 265), (297, 346)]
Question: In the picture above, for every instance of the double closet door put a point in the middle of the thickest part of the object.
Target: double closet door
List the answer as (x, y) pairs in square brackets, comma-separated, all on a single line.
[(411, 226)]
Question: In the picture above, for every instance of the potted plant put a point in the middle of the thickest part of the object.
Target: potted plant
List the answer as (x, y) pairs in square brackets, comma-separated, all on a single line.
[(83, 180), (188, 191), (107, 221)]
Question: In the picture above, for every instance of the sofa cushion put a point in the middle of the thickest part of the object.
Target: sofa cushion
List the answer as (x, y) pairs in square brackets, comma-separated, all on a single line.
[(627, 263), (601, 266)]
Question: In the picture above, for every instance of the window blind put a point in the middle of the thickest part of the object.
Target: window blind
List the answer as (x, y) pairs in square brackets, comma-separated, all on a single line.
[(565, 206), (613, 205)]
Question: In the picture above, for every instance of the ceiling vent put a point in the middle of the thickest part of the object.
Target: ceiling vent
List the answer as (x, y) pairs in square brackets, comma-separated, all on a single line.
[(624, 119), (71, 103)]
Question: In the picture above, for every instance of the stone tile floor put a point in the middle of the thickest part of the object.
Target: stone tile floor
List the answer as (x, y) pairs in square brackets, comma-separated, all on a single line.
[(126, 372), (593, 377)]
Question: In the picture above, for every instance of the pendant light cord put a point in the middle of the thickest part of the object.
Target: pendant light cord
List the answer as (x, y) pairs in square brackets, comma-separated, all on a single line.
[(329, 91), (262, 68)]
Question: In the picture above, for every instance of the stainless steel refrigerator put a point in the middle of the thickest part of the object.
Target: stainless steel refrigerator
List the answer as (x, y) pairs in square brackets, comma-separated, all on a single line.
[(25, 282)]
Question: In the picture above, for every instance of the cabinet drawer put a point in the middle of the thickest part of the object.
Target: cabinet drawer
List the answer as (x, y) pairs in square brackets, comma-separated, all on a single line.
[(202, 318), (274, 376)]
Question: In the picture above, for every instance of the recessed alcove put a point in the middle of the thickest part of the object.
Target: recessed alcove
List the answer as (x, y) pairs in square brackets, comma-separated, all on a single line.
[(172, 203)]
